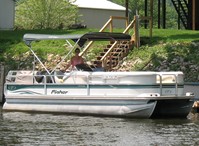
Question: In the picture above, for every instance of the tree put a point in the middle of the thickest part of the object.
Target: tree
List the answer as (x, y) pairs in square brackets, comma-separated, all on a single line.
[(138, 6), (43, 14)]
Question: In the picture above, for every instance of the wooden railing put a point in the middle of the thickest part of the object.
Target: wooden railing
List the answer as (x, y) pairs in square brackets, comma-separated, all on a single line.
[(109, 24)]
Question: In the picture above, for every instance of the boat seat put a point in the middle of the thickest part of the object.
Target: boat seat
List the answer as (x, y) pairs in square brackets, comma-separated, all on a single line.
[(58, 76), (40, 77), (76, 77), (25, 77), (11, 76)]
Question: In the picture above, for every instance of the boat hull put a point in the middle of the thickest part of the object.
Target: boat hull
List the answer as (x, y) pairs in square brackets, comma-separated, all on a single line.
[(172, 108), (104, 107)]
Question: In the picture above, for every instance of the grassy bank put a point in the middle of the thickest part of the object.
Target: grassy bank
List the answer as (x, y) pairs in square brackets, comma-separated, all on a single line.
[(167, 50)]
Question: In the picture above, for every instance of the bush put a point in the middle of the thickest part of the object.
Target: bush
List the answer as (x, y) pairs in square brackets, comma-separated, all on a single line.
[(45, 14)]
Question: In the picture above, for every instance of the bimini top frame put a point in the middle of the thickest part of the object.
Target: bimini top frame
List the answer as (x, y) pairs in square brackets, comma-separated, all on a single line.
[(92, 36), (79, 39)]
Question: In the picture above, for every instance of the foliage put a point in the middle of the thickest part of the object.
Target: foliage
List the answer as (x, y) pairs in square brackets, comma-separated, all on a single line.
[(44, 14)]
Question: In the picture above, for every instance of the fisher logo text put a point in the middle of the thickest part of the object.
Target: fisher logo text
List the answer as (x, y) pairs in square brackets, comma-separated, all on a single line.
[(59, 92)]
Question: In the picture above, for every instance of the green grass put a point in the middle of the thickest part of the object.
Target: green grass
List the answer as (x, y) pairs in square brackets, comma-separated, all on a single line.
[(166, 45), (171, 35)]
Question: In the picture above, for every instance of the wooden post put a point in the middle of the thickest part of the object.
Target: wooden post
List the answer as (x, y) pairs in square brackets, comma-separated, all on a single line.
[(1, 82), (127, 22), (178, 15), (151, 18), (159, 13), (145, 13), (111, 25), (127, 8), (193, 15), (164, 13), (136, 30)]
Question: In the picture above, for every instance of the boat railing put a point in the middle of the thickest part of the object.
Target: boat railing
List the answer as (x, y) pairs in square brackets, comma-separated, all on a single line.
[(93, 78), (175, 82)]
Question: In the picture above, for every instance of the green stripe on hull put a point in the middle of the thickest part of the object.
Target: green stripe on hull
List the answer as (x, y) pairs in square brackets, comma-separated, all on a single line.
[(17, 87)]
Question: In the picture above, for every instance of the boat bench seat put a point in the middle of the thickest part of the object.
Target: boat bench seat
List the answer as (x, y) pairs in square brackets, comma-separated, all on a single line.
[(25, 77), (71, 78)]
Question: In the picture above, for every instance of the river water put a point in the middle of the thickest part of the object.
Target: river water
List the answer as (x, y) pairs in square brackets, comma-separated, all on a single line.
[(30, 129)]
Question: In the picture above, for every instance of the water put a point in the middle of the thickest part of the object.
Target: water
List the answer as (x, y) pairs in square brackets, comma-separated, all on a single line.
[(71, 130)]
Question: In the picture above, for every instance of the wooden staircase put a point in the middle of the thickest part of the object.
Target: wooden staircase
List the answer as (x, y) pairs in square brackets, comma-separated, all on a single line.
[(181, 7), (112, 55), (115, 56)]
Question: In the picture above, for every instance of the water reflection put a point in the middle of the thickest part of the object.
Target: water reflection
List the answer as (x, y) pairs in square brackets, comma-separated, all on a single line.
[(48, 129)]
